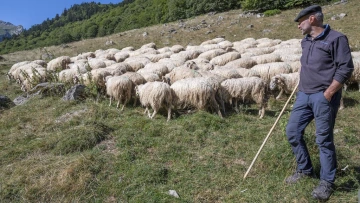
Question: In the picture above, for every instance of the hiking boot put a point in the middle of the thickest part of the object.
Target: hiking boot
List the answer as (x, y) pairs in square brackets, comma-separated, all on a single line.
[(297, 176), (323, 191)]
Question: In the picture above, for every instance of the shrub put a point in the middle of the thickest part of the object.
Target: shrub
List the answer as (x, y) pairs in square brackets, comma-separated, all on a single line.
[(271, 12)]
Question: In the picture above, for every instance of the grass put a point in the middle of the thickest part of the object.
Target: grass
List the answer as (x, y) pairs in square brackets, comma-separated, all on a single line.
[(56, 151)]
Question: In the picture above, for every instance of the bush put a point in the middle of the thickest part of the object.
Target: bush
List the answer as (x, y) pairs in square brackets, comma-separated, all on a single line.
[(271, 12)]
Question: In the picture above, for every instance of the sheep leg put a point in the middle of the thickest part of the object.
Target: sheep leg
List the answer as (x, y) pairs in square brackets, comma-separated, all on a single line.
[(359, 85), (262, 111), (169, 114), (125, 102), (236, 106), (110, 100), (215, 105), (154, 113)]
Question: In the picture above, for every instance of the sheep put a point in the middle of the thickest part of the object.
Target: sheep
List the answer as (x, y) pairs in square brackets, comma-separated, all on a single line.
[(225, 58), (137, 63), (156, 57), (119, 88), (355, 76), (164, 50), (58, 63), (121, 56), (290, 57), (248, 88), (118, 68), (157, 68), (208, 55), (21, 72), (285, 82), (14, 67), (226, 72), (29, 78), (203, 64), (268, 70), (267, 58), (260, 51), (68, 75), (182, 72), (127, 49), (186, 55), (82, 66), (355, 54), (149, 45), (40, 62), (96, 63), (225, 44), (194, 92), (155, 95), (177, 48), (244, 62), (150, 77)]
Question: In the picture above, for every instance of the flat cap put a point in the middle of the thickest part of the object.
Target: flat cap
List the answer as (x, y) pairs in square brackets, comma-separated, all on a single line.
[(307, 11)]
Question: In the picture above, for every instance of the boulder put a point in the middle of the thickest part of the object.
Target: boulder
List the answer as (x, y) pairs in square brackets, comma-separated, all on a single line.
[(75, 93), (5, 102)]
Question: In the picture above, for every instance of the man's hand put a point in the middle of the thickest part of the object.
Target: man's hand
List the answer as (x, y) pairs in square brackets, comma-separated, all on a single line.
[(332, 89)]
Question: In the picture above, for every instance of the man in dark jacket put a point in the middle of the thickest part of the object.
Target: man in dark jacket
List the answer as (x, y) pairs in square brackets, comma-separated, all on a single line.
[(326, 64)]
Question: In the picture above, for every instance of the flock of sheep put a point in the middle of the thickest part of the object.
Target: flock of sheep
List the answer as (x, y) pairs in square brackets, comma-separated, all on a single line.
[(211, 76)]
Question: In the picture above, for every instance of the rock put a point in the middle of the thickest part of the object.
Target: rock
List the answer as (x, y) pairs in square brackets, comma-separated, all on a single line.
[(20, 100), (76, 92), (173, 193), (342, 15), (5, 102), (47, 89), (250, 26)]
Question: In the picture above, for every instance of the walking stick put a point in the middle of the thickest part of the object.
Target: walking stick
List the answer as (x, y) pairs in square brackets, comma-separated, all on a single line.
[(268, 135)]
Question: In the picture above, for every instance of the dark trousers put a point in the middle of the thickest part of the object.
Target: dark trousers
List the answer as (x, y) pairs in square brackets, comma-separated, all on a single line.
[(306, 108)]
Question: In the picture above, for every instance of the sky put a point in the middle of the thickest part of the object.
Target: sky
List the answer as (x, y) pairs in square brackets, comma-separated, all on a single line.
[(31, 12)]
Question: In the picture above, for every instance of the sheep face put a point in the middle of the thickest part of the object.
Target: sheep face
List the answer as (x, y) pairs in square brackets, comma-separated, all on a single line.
[(275, 82)]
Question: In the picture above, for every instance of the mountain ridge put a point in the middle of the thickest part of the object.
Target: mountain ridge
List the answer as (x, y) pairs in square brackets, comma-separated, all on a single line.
[(8, 29)]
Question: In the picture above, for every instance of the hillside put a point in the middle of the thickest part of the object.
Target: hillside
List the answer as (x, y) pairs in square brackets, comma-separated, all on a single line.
[(233, 25), (87, 151)]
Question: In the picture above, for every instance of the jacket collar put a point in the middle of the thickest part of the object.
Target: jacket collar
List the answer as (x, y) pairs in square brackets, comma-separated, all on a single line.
[(321, 35)]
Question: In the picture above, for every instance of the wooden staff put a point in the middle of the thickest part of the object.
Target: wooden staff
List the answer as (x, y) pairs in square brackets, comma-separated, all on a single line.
[(268, 135)]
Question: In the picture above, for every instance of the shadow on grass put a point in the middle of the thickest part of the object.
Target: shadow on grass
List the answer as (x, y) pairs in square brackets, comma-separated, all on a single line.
[(350, 102), (352, 183)]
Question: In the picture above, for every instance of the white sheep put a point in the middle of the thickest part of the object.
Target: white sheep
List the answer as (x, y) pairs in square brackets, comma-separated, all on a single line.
[(96, 63), (268, 70), (355, 76), (285, 82), (244, 62), (208, 55), (225, 58), (121, 56), (194, 93), (245, 89), (155, 95), (177, 48), (137, 63), (267, 58), (119, 88), (158, 68), (58, 63), (188, 70)]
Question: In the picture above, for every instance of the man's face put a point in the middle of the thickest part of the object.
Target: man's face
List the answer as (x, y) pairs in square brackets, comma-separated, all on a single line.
[(305, 25)]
